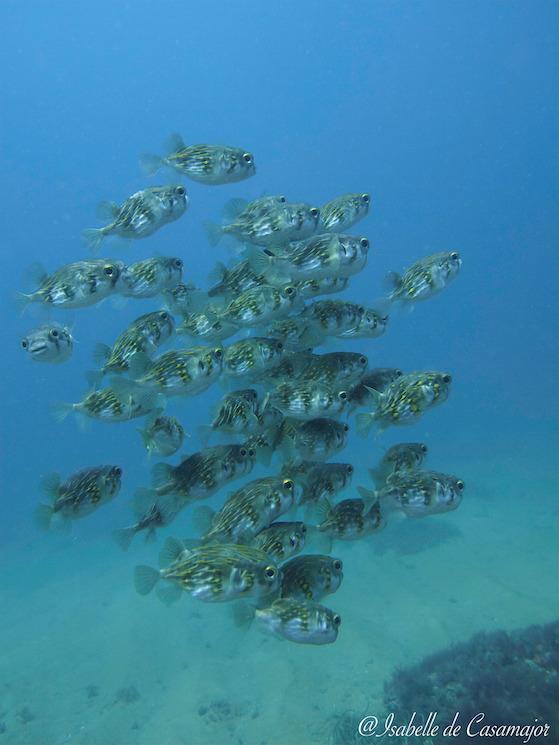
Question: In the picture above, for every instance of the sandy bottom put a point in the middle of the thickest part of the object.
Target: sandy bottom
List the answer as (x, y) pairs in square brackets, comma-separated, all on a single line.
[(86, 660)]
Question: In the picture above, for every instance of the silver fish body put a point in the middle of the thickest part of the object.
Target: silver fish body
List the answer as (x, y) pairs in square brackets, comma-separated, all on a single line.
[(300, 622), (341, 213), (422, 493), (250, 509), (76, 285), (208, 164), (78, 496), (150, 277), (252, 357), (426, 278), (311, 577), (141, 215)]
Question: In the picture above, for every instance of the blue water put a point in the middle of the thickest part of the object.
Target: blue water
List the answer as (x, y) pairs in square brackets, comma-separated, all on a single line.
[(447, 114)]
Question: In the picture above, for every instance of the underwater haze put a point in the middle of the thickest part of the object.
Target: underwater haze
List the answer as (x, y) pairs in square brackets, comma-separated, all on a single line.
[(447, 115)]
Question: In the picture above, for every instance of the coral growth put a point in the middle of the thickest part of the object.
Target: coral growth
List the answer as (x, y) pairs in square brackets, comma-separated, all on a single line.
[(513, 678)]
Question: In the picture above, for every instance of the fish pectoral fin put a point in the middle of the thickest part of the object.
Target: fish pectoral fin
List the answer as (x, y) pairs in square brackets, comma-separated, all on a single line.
[(243, 615)]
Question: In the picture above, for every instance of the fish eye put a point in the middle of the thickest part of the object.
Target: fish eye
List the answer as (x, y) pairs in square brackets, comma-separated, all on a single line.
[(424, 448), (24, 343), (342, 395), (360, 310), (178, 263), (399, 373), (243, 452), (164, 315), (279, 346), (346, 427), (314, 211), (282, 199), (251, 453), (349, 469), (364, 242), (455, 255), (109, 270), (365, 198), (447, 378), (288, 484), (293, 541), (363, 360), (54, 333), (218, 353), (180, 190), (337, 565), (117, 471), (460, 484), (247, 157), (270, 572), (336, 620), (289, 290)]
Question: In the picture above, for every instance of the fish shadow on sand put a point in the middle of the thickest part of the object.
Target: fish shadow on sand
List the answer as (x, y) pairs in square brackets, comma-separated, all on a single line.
[(414, 537)]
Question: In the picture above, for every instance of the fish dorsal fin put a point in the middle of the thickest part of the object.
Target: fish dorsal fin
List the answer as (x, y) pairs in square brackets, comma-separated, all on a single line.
[(234, 207), (174, 143), (219, 273), (171, 551), (50, 486), (36, 274), (107, 210)]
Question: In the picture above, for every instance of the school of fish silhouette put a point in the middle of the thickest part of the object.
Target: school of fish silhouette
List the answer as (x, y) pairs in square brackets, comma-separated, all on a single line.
[(285, 406)]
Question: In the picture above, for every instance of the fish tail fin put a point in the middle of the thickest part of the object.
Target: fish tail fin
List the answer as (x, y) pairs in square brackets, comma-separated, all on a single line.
[(93, 237), (123, 537), (23, 300), (213, 231), (61, 410), (42, 516), (150, 163), (145, 579)]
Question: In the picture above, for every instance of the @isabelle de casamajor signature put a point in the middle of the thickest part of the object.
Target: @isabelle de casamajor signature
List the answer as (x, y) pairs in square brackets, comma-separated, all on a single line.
[(477, 726)]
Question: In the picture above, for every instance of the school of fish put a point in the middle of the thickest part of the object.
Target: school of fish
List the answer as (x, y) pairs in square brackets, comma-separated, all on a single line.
[(287, 407)]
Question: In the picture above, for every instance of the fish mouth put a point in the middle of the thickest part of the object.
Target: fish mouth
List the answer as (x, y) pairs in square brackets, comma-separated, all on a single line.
[(37, 347)]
